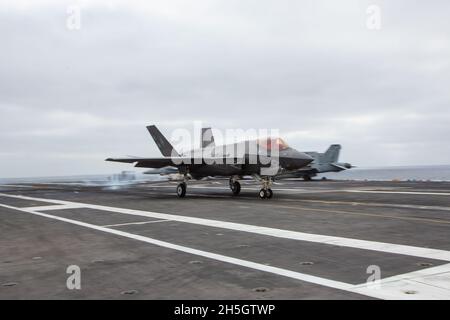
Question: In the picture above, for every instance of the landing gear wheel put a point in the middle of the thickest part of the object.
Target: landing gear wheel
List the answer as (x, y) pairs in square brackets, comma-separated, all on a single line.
[(262, 194), (235, 187), (307, 178), (269, 193), (181, 190)]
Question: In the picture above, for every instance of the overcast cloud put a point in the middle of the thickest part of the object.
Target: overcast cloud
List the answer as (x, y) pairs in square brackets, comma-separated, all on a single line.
[(71, 98)]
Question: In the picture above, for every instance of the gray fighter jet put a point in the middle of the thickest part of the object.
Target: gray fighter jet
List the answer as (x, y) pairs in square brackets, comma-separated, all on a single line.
[(262, 159), (323, 162)]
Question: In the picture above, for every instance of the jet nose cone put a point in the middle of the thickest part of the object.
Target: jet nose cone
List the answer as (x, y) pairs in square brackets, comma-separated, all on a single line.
[(305, 157), (296, 160)]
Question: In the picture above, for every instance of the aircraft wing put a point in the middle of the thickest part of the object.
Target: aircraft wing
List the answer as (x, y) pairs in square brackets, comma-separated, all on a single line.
[(338, 166), (145, 162), (173, 162)]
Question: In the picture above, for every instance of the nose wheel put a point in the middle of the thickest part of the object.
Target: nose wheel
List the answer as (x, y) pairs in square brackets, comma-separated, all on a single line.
[(266, 193)]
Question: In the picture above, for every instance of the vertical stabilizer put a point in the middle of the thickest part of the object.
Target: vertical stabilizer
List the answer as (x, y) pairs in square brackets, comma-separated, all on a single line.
[(163, 144), (332, 154)]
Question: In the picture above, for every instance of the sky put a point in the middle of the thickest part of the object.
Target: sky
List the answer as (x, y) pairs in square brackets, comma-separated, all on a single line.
[(80, 80)]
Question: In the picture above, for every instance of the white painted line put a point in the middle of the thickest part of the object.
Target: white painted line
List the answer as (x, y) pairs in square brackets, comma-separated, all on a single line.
[(55, 207), (372, 204), (401, 192), (422, 252), (353, 203), (331, 211), (131, 223), (16, 186), (206, 254), (430, 283)]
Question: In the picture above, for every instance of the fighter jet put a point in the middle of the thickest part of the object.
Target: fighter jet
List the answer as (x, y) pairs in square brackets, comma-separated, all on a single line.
[(323, 162), (262, 159)]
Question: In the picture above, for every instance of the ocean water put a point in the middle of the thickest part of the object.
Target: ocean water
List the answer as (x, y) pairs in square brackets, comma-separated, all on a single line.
[(407, 173)]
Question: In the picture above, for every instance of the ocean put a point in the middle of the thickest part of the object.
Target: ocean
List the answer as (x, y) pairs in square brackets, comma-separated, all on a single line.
[(404, 173)]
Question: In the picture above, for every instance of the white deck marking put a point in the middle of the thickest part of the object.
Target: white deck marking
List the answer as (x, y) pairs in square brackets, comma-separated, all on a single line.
[(206, 254), (56, 207), (131, 223), (422, 252), (430, 283), (309, 190), (352, 203), (400, 192), (16, 186), (380, 216), (372, 204)]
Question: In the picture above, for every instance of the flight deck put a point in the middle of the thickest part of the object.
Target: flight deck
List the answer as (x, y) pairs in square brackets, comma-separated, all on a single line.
[(312, 240)]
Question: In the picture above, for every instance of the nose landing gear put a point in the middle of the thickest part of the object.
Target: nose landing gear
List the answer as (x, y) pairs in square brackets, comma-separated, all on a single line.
[(266, 192)]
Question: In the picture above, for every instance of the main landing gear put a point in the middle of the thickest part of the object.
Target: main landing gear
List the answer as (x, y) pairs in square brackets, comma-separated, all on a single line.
[(235, 186), (181, 190), (266, 192)]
